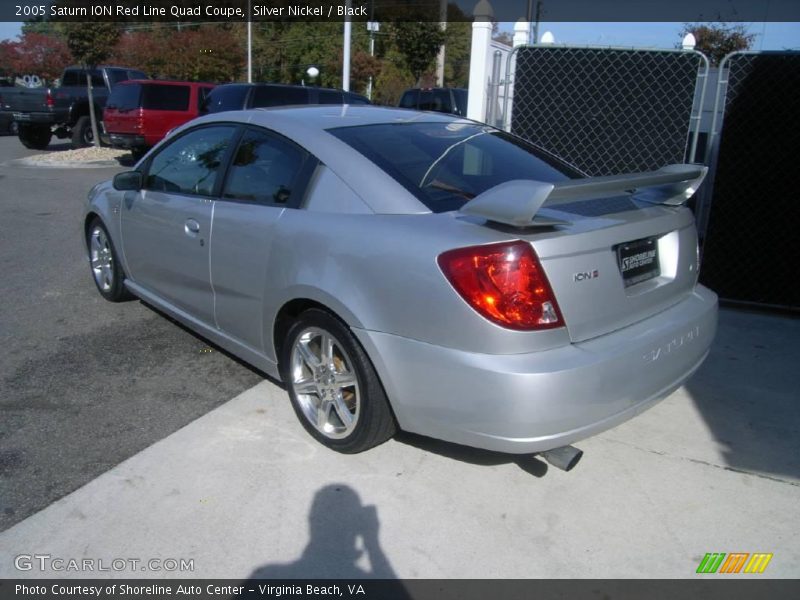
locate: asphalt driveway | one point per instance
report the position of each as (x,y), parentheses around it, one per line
(174,451)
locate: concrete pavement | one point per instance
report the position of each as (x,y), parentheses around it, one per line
(243,490)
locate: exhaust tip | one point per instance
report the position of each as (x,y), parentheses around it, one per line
(564,458)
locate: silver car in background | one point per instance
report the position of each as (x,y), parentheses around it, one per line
(399,269)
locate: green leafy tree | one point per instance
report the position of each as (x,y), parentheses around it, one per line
(418,44)
(716,40)
(91,43)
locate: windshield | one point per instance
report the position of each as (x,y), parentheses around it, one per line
(447,164)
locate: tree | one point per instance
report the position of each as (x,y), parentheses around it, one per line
(39,54)
(91,43)
(716,40)
(418,44)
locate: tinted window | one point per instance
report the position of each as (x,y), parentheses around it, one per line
(276,95)
(124,97)
(330,97)
(73,77)
(190,164)
(165,97)
(116,76)
(226,97)
(460,97)
(409,99)
(264,169)
(355,99)
(436,100)
(202,97)
(447,164)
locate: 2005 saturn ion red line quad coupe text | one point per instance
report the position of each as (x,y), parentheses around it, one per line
(399,269)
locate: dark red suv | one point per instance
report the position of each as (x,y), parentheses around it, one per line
(140,113)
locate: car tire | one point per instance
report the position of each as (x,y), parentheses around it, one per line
(333,386)
(34,137)
(106,270)
(82,135)
(13,128)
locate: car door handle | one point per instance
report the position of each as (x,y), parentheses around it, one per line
(191,227)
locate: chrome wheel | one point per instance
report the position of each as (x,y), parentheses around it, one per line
(102,259)
(325,384)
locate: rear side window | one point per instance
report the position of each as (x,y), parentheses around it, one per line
(330,97)
(191,163)
(435,100)
(116,76)
(226,98)
(165,97)
(264,169)
(124,97)
(409,99)
(74,77)
(202,97)
(446,164)
(355,99)
(268,95)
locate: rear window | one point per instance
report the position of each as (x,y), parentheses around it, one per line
(330,97)
(447,164)
(124,97)
(436,100)
(75,77)
(226,97)
(116,76)
(165,97)
(269,95)
(409,99)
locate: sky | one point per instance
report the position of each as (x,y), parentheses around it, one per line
(769,36)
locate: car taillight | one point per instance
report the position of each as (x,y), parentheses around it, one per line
(139,119)
(50,101)
(505,283)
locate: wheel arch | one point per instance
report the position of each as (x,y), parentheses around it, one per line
(292,308)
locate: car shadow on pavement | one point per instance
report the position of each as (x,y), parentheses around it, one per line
(747,392)
(474,456)
(342,533)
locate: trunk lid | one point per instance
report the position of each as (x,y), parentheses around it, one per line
(615,249)
(583,262)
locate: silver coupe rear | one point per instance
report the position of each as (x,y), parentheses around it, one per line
(409,270)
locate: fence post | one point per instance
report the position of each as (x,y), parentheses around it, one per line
(479,61)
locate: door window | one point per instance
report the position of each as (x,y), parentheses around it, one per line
(278,95)
(190,164)
(166,97)
(264,169)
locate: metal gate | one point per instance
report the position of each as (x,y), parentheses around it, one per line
(751,209)
(609,110)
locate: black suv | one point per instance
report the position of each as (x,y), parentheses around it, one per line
(452,101)
(238,96)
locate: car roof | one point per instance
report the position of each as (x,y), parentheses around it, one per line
(329,116)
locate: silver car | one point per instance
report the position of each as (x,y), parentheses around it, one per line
(414,271)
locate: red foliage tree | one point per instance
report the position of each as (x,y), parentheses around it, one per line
(39,54)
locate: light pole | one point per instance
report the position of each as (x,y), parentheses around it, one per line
(372,27)
(249,43)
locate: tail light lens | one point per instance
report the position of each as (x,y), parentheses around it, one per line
(505,283)
(50,101)
(139,119)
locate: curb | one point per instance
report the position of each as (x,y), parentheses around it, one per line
(63,164)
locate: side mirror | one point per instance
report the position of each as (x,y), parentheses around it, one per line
(129,181)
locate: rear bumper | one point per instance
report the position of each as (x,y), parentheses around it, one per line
(525,403)
(127,140)
(37,118)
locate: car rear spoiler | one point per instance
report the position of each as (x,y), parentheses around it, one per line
(516,202)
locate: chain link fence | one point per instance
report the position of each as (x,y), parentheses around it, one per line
(609,110)
(750,211)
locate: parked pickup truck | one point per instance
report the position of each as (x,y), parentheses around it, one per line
(63,111)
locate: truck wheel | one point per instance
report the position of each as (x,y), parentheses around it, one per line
(35,137)
(82,135)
